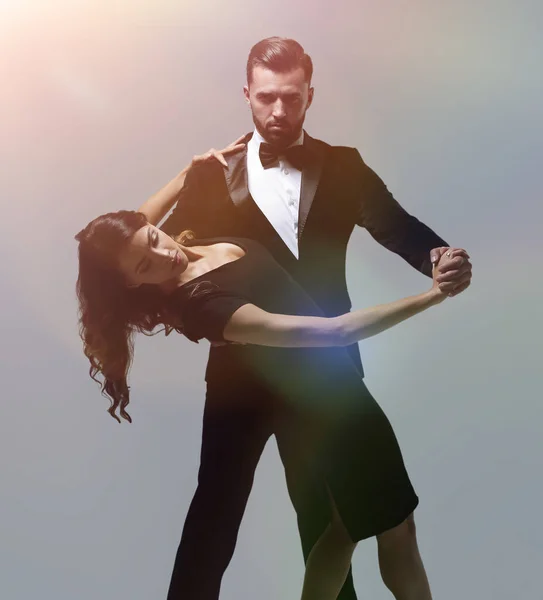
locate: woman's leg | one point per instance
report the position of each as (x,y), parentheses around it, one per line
(329,561)
(401,564)
(312,523)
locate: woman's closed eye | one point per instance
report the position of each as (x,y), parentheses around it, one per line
(153,241)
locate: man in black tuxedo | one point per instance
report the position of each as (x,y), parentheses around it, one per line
(301,198)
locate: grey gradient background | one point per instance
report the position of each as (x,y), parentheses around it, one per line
(102,103)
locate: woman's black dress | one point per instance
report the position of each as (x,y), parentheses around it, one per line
(342,439)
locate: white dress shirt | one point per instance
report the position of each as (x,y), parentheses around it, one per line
(276,191)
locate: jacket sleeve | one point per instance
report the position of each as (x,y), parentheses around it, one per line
(189,211)
(388,223)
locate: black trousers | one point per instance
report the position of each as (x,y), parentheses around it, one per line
(239,418)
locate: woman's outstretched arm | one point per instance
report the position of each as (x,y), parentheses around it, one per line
(157,206)
(252,325)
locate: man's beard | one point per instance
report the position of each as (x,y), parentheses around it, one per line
(283,137)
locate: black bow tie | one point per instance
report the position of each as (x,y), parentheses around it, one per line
(269,155)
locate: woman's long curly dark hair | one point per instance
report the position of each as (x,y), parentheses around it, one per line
(109,311)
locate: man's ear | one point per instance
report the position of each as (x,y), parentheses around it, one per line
(311,91)
(246,94)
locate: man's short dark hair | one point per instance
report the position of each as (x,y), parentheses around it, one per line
(280,55)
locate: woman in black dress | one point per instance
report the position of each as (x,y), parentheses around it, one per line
(133,277)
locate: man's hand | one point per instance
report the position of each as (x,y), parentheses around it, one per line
(219,155)
(454,269)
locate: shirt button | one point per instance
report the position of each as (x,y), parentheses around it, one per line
(286,171)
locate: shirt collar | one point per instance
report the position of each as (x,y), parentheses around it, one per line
(257,139)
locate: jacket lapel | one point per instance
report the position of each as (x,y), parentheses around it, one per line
(310,179)
(238,189)
(236,176)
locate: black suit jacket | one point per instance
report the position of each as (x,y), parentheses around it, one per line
(338,192)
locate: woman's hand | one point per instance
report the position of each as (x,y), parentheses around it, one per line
(455,269)
(219,155)
(435,290)
(450,261)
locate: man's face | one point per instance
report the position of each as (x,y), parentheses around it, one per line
(279,102)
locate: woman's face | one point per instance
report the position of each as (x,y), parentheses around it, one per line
(152,257)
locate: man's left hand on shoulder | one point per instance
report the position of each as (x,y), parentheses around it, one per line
(454,269)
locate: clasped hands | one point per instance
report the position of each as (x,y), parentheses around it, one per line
(452,269)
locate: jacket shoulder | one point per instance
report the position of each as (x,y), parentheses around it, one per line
(334,151)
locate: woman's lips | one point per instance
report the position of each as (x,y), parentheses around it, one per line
(176,260)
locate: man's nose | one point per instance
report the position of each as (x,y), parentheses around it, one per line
(278,109)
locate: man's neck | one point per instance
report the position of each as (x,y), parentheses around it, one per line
(258,138)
